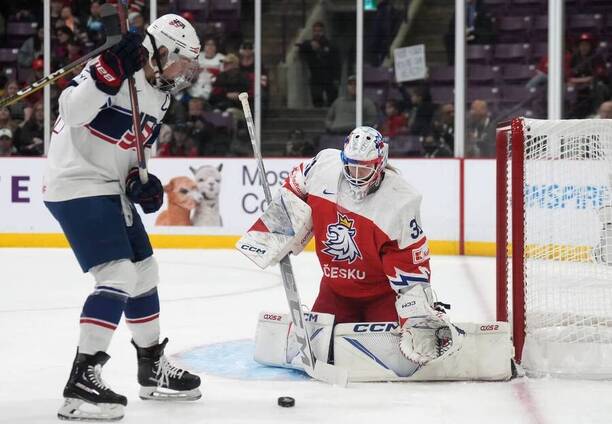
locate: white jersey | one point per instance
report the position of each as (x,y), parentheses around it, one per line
(93,146)
(362,246)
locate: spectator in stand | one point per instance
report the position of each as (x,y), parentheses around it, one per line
(200,130)
(479,28)
(395,122)
(60,47)
(228,85)
(421,109)
(21,110)
(211,64)
(29,138)
(6,143)
(440,143)
(603,112)
(247,64)
(384,27)
(164,140)
(298,146)
(541,76)
(323,60)
(6,121)
(589,78)
(181,144)
(480,140)
(31,49)
(95,28)
(341,115)
(67,19)
(137,23)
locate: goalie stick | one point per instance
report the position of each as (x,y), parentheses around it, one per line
(143,173)
(113,35)
(316,369)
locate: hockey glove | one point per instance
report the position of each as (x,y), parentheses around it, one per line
(149,196)
(118,63)
(426,332)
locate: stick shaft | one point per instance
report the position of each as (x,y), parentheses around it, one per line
(142,160)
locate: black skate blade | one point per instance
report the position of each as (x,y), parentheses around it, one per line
(75,409)
(159,394)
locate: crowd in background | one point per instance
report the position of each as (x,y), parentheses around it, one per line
(206,119)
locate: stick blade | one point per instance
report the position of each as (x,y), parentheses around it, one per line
(110,20)
(330,374)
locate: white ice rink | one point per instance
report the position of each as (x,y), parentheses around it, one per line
(210,303)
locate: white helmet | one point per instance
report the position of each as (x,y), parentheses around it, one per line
(177,35)
(364,157)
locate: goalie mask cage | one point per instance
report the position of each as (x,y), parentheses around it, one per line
(554,244)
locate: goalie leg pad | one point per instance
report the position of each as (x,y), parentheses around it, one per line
(371,352)
(276,345)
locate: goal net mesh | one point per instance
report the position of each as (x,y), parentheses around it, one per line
(567,246)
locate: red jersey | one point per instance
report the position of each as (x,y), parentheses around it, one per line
(365,248)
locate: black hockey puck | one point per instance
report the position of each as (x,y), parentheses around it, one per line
(286,401)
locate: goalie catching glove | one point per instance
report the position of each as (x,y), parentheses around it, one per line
(426,333)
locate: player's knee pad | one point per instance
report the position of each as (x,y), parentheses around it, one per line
(276,344)
(148,276)
(120,275)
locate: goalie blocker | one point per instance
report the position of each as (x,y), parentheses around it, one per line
(370,351)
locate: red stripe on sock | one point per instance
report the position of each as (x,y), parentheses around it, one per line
(98,323)
(141,320)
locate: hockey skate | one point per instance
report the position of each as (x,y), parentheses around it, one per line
(160,380)
(87,397)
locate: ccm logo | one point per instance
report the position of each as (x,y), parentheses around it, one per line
(252,249)
(272,317)
(490,327)
(408,304)
(375,327)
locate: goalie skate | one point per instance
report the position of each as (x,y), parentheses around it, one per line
(160,380)
(87,398)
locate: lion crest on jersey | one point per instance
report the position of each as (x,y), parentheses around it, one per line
(340,243)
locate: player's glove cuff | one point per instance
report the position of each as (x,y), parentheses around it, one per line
(108,73)
(149,196)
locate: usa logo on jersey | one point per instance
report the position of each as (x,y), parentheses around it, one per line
(340,243)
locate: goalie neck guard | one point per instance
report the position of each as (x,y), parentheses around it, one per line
(175,69)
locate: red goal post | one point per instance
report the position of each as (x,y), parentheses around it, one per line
(554,244)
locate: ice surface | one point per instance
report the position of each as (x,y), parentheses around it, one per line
(210,303)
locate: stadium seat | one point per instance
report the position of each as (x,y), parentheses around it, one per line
(442,75)
(479,53)
(8,55)
(377,94)
(514,52)
(442,94)
(406,145)
(331,141)
(528,7)
(585,22)
(488,94)
(514,94)
(483,74)
(376,76)
(518,73)
(539,28)
(513,29)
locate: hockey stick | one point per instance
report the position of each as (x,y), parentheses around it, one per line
(113,35)
(316,369)
(142,160)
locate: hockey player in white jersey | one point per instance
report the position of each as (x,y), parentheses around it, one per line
(91,185)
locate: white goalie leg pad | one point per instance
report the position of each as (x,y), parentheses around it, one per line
(276,345)
(602,253)
(285,227)
(371,352)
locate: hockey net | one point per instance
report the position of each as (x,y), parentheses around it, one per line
(554,244)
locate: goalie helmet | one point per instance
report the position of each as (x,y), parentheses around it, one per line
(364,158)
(175,70)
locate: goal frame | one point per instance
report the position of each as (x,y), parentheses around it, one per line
(511,131)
